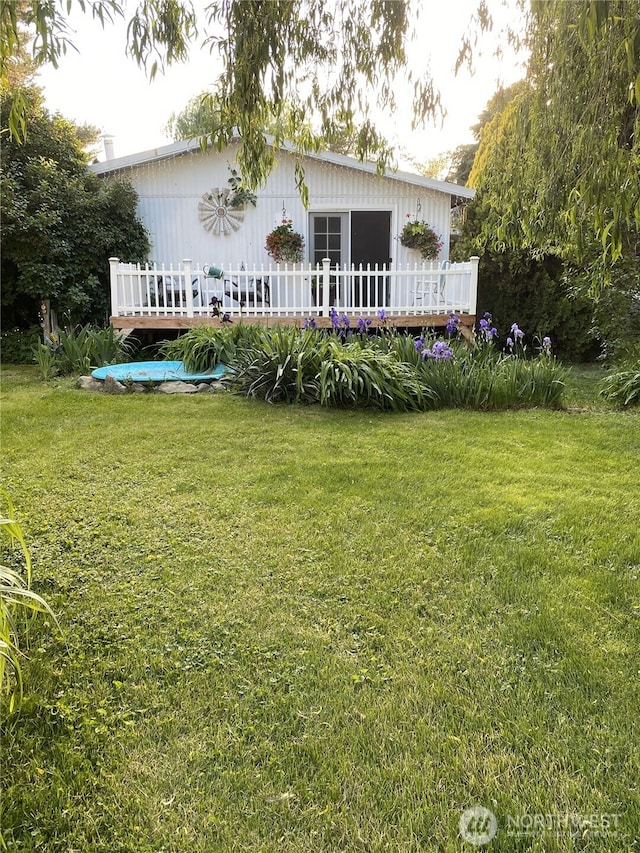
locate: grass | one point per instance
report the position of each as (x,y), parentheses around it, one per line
(294,629)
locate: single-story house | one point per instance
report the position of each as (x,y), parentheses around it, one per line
(353,219)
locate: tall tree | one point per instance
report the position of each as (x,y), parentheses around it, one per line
(282,60)
(463,156)
(203,112)
(60,223)
(196,118)
(560,166)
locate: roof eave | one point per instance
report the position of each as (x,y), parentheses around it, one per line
(193,146)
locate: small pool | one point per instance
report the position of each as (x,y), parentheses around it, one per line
(155,371)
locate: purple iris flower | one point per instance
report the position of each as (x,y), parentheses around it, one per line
(310,323)
(382,314)
(440,351)
(452,324)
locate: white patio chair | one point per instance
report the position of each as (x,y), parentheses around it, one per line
(431,290)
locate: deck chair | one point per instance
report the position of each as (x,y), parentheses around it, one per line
(431,289)
(251,291)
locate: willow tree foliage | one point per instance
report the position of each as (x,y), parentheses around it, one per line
(560,165)
(282,62)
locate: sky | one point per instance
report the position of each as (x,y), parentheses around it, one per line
(99,85)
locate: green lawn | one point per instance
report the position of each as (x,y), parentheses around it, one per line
(292,629)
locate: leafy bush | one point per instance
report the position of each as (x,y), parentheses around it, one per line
(18,345)
(515,283)
(17,604)
(616,314)
(60,223)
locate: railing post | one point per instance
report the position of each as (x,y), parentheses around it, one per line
(188,290)
(113,274)
(326,295)
(473,289)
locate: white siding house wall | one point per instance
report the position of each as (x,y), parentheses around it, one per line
(171,188)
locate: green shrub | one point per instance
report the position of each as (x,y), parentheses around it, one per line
(355,374)
(623,385)
(281,365)
(204,347)
(80,349)
(18,345)
(536,290)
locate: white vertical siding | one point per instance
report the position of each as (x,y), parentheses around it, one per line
(170,191)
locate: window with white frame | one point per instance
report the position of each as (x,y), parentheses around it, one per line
(328,233)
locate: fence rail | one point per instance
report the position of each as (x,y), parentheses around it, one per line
(292,291)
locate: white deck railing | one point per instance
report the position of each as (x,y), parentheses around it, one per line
(293,291)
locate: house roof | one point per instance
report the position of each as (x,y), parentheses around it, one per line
(192,146)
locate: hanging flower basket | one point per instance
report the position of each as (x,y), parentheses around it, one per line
(285,244)
(418,235)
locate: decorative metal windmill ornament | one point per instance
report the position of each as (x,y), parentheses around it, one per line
(216,214)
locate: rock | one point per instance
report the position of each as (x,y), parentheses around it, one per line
(177,388)
(203,387)
(112,386)
(88,383)
(139,387)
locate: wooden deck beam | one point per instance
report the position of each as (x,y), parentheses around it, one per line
(412,321)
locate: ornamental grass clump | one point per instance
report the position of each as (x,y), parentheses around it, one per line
(354,374)
(288,365)
(480,376)
(478,380)
(80,349)
(622,387)
(280,366)
(201,349)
